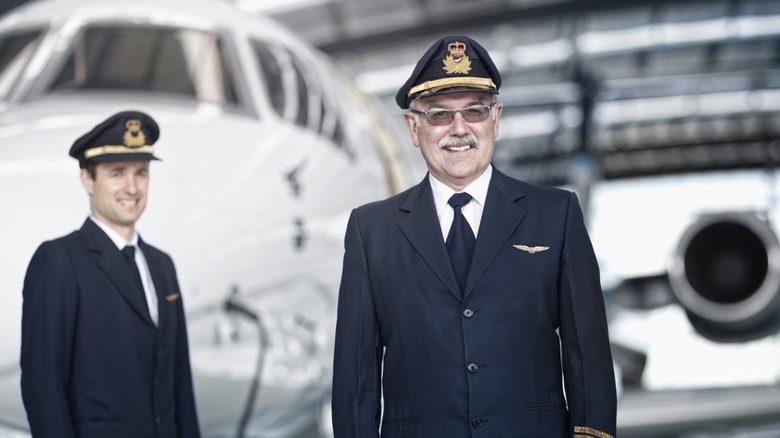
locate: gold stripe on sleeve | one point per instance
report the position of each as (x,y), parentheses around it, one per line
(590,432)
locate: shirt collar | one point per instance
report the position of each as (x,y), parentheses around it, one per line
(118,240)
(477,189)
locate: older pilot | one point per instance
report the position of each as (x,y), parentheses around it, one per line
(470,305)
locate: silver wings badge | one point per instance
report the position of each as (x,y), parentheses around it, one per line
(531,249)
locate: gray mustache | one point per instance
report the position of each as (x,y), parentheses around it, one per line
(466,140)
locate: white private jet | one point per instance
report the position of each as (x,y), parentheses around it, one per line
(266,148)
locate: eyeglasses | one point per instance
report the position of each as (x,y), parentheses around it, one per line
(443,117)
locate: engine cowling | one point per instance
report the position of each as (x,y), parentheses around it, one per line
(725,272)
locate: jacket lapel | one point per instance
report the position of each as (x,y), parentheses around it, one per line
(499,220)
(113,264)
(421,227)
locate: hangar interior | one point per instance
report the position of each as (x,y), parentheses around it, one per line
(596,91)
(600,91)
(592,89)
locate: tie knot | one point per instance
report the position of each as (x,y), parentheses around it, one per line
(129,252)
(458,200)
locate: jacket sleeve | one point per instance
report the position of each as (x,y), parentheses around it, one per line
(587,360)
(358,352)
(50,300)
(186,411)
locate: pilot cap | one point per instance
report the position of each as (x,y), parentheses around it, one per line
(125,136)
(453,64)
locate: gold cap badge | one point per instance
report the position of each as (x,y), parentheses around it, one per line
(457,61)
(134,137)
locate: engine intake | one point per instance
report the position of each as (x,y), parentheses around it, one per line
(725,272)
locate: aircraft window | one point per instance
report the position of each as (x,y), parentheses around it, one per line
(312,107)
(330,125)
(15,51)
(321,122)
(293,89)
(285,82)
(181,62)
(338,136)
(209,66)
(302,117)
(332,121)
(272,71)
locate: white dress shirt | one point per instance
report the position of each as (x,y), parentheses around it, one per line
(471,211)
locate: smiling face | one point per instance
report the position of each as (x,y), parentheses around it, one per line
(117,193)
(457,153)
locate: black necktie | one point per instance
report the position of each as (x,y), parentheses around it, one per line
(460,240)
(129,252)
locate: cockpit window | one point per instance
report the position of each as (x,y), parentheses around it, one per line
(302,118)
(296,93)
(290,84)
(286,85)
(182,62)
(15,51)
(272,73)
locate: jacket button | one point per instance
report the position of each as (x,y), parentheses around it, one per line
(476,422)
(472,368)
(468,313)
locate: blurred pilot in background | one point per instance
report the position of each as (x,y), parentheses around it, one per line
(104,342)
(465,299)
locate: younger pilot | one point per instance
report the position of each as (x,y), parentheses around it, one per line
(104,340)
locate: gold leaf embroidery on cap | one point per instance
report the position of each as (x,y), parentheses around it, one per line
(457,61)
(134,136)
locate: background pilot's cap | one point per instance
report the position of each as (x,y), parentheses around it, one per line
(454,63)
(126,136)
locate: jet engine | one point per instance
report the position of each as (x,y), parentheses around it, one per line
(725,272)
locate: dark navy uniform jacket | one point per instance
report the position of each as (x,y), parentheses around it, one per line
(490,364)
(93,362)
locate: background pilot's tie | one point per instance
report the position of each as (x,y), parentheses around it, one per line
(129,252)
(460,240)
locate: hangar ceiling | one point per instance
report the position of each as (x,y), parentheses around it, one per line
(607,89)
(591,88)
